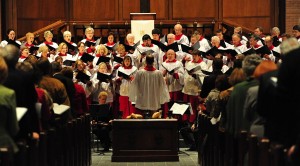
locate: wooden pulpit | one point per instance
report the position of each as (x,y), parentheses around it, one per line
(142,140)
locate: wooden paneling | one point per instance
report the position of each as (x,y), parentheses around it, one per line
(32,9)
(193,9)
(233,8)
(160,7)
(252,22)
(129,6)
(93,10)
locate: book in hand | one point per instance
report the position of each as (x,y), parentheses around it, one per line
(230,50)
(87,57)
(276,54)
(90,43)
(20,111)
(118,59)
(213,51)
(180,108)
(60,109)
(161,45)
(170,68)
(129,48)
(51,48)
(12,42)
(103,77)
(249,52)
(192,68)
(148,52)
(104,59)
(33,50)
(72,49)
(82,77)
(189,49)
(124,75)
(113,48)
(173,46)
(263,50)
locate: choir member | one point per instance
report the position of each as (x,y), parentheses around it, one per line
(71,46)
(49,43)
(102,51)
(275,50)
(11,35)
(43,51)
(238,46)
(220,35)
(243,39)
(102,81)
(89,33)
(296,32)
(179,36)
(62,51)
(130,39)
(123,84)
(174,75)
(82,77)
(148,89)
(275,34)
(139,55)
(193,77)
(29,40)
(24,54)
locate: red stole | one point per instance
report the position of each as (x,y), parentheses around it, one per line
(177,37)
(149,68)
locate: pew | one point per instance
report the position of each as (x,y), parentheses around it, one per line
(219,148)
(5,156)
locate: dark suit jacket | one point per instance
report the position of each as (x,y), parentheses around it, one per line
(209,83)
(23,85)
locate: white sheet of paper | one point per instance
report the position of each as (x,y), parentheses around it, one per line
(20,112)
(59,109)
(180,108)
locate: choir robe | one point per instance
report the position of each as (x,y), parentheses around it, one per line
(140,61)
(204,44)
(148,89)
(51,57)
(192,87)
(22,59)
(101,86)
(89,50)
(174,81)
(4,43)
(65,57)
(125,105)
(240,48)
(88,89)
(182,39)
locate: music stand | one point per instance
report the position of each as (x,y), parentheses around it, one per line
(179,108)
(97,112)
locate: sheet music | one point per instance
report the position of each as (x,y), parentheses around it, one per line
(20,111)
(181,108)
(59,109)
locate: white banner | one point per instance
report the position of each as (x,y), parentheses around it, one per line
(141,27)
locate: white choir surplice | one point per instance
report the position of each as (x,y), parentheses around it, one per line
(148,90)
(192,86)
(172,83)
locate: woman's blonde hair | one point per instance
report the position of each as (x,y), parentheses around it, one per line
(100,47)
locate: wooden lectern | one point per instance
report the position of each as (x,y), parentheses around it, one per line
(141,24)
(142,16)
(140,140)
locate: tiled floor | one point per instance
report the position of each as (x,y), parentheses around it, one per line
(184,160)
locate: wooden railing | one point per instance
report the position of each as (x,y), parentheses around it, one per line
(50,27)
(234,24)
(218,147)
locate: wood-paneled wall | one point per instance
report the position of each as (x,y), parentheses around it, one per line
(35,14)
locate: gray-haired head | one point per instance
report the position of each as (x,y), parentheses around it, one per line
(250,63)
(289,45)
